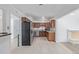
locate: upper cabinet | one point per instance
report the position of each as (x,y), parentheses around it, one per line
(1,22)
(52,23)
(38,25)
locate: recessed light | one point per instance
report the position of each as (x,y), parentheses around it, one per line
(72,14)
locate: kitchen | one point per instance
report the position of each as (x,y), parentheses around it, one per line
(44,28)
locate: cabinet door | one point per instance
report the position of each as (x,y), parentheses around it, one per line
(51,36)
(40,34)
(53,23)
(44,34)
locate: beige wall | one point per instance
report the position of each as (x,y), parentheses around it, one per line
(75,35)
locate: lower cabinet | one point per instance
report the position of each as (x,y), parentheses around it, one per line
(42,33)
(51,36)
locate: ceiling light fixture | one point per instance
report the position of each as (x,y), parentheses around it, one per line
(72,14)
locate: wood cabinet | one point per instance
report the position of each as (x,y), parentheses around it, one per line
(52,23)
(49,33)
(42,33)
(51,36)
(37,25)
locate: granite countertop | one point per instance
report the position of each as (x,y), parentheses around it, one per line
(4,34)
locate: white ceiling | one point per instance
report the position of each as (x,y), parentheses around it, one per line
(48,10)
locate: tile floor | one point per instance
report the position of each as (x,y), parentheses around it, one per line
(41,45)
(72,47)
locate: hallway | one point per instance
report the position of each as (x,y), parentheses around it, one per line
(41,45)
